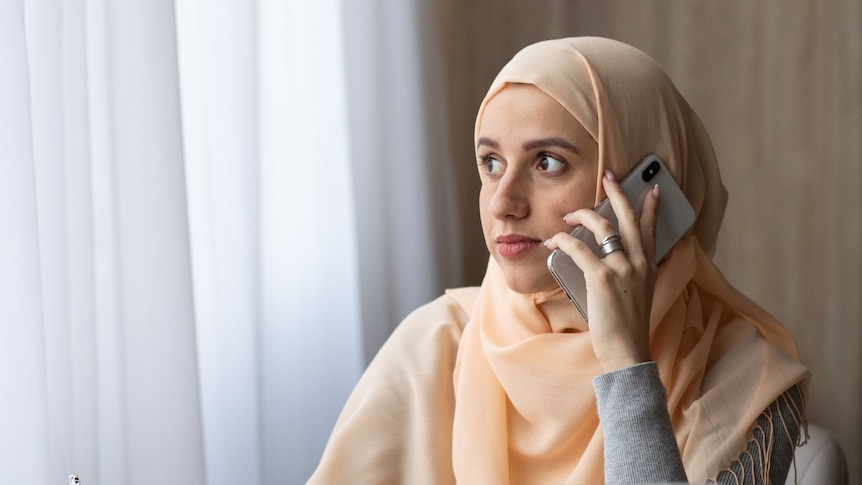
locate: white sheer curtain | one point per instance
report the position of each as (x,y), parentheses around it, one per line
(315,162)
(273,231)
(211,216)
(98,360)
(220,131)
(406,210)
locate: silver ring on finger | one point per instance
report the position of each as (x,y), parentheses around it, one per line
(610,244)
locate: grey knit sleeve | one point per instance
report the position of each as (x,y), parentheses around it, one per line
(640,446)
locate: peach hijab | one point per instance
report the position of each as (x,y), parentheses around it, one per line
(525,409)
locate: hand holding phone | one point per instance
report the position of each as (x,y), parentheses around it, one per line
(675,218)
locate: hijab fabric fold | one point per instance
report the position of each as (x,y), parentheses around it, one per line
(525,409)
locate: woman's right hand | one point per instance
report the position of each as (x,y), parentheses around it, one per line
(620,285)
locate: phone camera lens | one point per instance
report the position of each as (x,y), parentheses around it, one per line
(651,171)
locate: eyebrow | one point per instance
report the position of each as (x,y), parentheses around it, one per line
(483,141)
(549,142)
(532,144)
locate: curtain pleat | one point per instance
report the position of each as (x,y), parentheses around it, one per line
(218,74)
(149,247)
(408,223)
(309,297)
(44,53)
(23,373)
(82,444)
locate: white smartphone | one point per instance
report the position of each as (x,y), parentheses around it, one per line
(675,218)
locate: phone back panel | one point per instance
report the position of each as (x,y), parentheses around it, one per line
(675,218)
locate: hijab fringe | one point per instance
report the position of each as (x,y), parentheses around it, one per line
(800,418)
(764,447)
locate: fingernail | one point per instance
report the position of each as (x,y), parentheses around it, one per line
(547,243)
(656,191)
(566,217)
(610,175)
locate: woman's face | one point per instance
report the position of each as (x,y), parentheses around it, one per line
(537,163)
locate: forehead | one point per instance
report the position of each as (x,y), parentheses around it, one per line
(523,111)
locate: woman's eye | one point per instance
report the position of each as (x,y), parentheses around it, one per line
(550,164)
(492,165)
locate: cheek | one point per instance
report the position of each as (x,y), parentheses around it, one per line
(582,194)
(572,199)
(484,211)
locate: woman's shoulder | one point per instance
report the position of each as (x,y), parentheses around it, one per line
(424,344)
(448,312)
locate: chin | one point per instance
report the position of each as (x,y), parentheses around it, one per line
(528,283)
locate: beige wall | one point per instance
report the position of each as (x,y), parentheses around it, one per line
(779,86)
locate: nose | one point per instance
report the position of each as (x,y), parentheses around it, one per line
(511,197)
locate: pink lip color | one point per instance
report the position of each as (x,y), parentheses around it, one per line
(512,245)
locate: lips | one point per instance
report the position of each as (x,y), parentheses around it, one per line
(514,245)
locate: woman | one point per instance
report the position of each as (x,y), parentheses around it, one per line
(677,377)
